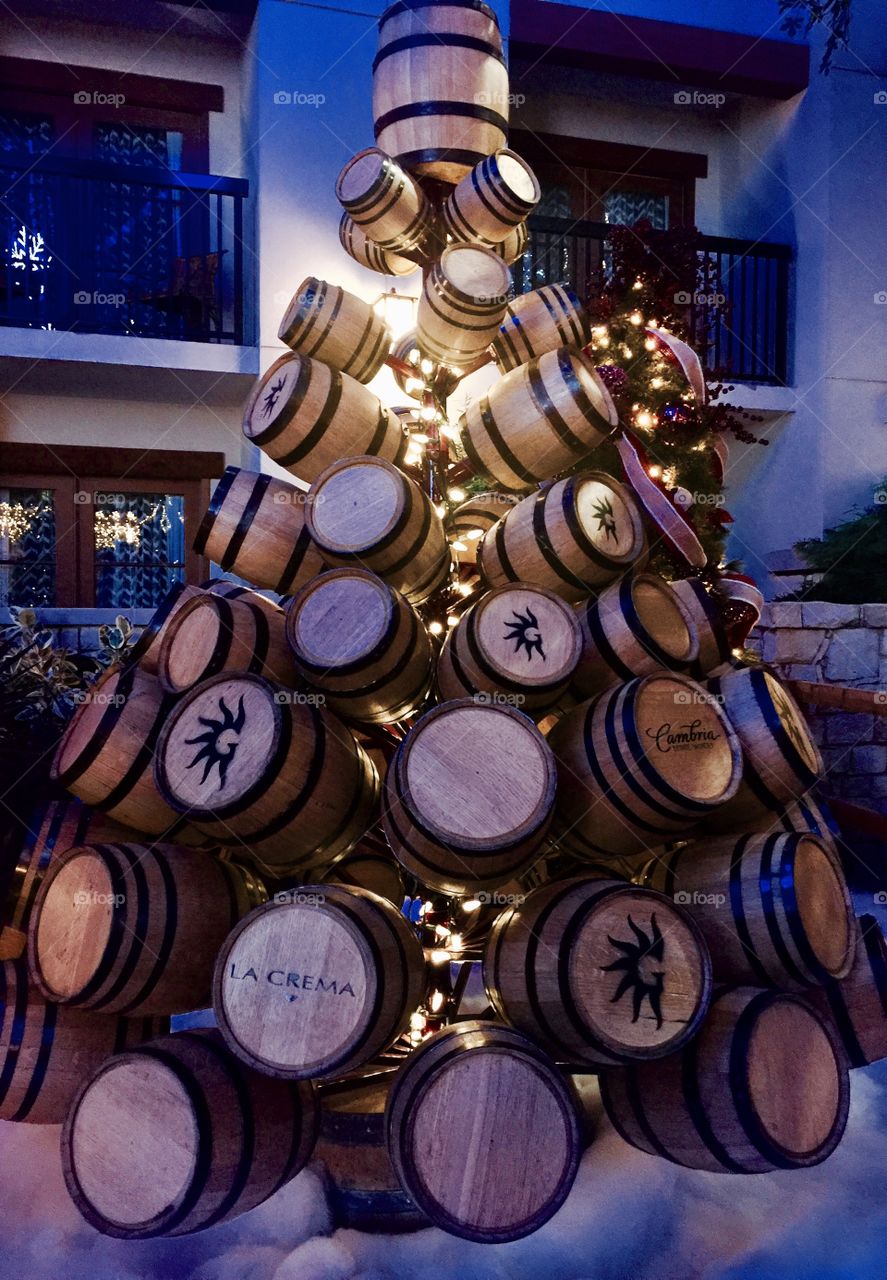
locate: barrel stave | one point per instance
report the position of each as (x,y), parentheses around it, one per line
(326,322)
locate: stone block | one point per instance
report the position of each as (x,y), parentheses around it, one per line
(798,646)
(802,670)
(874,615)
(837,760)
(853,657)
(841,727)
(782,613)
(821,613)
(871,760)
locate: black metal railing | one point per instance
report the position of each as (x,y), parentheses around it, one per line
(92,247)
(738,315)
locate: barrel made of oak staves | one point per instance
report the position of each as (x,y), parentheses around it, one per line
(774,907)
(440,86)
(369,867)
(490,201)
(178,1135)
(518,644)
(573,537)
(361,1186)
(857,1004)
(134,929)
(360,643)
(507,1132)
(266,770)
(514,245)
(463,301)
(469,795)
(640,763)
(366,512)
(48,1049)
(106,753)
(538,420)
(714,647)
(385,202)
(764,1085)
(473,517)
(146,650)
(601,971)
(318,985)
(255,527)
(633,628)
(358,246)
(539,321)
(213,634)
(305,415)
(325,321)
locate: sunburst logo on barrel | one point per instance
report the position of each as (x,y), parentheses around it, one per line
(602,510)
(219,742)
(643,982)
(525,633)
(272,395)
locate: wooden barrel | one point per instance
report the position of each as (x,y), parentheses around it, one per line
(146,649)
(326,322)
(641,763)
(133,928)
(507,1135)
(473,517)
(105,755)
(319,985)
(364,511)
(573,537)
(358,246)
(635,627)
(714,647)
(468,796)
(212,634)
(774,908)
(255,527)
(371,868)
(600,971)
(385,202)
(858,1003)
(514,246)
(464,296)
(538,420)
(781,760)
(490,201)
(266,770)
(361,1186)
(540,321)
(440,86)
(518,645)
(361,644)
(47,1049)
(305,415)
(177,1135)
(763,1086)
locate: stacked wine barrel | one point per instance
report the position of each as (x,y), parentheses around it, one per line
(311,791)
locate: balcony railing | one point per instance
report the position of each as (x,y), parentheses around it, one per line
(738,315)
(92,247)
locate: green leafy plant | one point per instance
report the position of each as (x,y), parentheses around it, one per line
(805,14)
(40,684)
(851,556)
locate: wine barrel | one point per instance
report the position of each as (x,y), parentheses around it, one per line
(371,868)
(763,1086)
(463,300)
(266,770)
(365,511)
(358,246)
(47,1050)
(361,644)
(385,203)
(635,627)
(133,928)
(320,985)
(440,86)
(507,1134)
(515,244)
(781,760)
(600,971)
(255,527)
(305,415)
(519,645)
(858,1003)
(468,796)
(326,322)
(473,517)
(490,201)
(212,634)
(640,764)
(361,1186)
(146,649)
(177,1135)
(540,321)
(774,908)
(539,419)
(714,647)
(573,537)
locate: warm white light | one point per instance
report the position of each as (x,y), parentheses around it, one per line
(428,413)
(655,472)
(426,365)
(656,382)
(473,534)
(452,620)
(439,957)
(645,419)
(459,545)
(437,1001)
(638,284)
(435,628)
(458,495)
(419,437)
(636,318)
(650,344)
(471,904)
(414,386)
(398,311)
(464,588)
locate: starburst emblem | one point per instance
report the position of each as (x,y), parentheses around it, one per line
(272,395)
(789,720)
(214,752)
(602,510)
(633,979)
(525,633)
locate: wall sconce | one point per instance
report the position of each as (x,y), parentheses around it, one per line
(398,310)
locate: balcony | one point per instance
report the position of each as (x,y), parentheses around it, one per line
(744,338)
(97,248)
